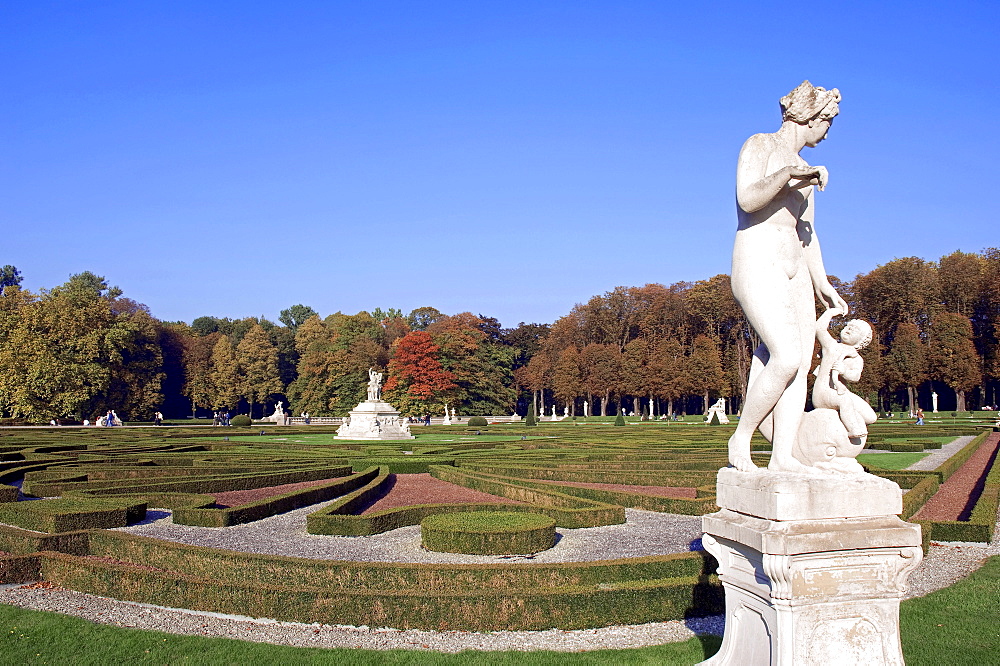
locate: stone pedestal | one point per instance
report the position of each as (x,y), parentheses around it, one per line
(374,419)
(813,568)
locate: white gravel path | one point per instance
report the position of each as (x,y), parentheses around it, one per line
(937,458)
(643,533)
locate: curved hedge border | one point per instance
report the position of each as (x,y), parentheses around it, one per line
(252,511)
(488,533)
(424,596)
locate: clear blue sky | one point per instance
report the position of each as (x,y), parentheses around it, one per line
(506,158)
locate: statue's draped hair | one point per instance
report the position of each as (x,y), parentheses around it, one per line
(809,102)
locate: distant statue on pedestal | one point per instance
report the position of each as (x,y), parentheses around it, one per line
(374,385)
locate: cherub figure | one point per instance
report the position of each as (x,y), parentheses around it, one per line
(842,361)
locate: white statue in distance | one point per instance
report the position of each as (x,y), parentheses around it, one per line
(374,385)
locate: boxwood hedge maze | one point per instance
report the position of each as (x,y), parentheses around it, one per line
(66,492)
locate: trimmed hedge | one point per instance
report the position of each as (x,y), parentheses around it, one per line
(20,569)
(20,542)
(192,483)
(402,464)
(918,495)
(329,520)
(65,515)
(247,513)
(569,511)
(568,607)
(8,493)
(253,568)
(488,533)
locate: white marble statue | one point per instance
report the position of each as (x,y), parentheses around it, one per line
(586,408)
(373,418)
(374,385)
(719,409)
(934,401)
(840,361)
(447,416)
(778,271)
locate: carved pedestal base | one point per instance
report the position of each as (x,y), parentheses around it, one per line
(803,585)
(374,419)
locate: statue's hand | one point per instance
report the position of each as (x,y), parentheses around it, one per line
(833,300)
(815,175)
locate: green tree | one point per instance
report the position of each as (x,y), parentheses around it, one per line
(295,316)
(9,277)
(78,349)
(257,367)
(311,391)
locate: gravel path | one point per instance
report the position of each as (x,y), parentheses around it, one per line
(643,533)
(937,458)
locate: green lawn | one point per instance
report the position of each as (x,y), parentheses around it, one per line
(954,626)
(33,637)
(890,460)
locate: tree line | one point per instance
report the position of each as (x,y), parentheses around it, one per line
(81,348)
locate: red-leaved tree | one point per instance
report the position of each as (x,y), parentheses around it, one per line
(416,379)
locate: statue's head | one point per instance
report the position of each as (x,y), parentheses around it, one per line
(809,104)
(856,333)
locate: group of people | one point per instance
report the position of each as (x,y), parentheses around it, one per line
(220,419)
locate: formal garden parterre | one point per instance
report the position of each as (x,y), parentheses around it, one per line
(577,475)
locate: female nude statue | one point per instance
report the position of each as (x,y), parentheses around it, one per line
(778,271)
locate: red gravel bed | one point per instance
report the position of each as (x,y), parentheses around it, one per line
(656,491)
(410,489)
(957,496)
(241,497)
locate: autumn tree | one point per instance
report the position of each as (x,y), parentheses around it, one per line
(480,363)
(223,377)
(416,381)
(952,357)
(601,373)
(704,369)
(196,359)
(257,367)
(904,290)
(906,363)
(566,384)
(960,275)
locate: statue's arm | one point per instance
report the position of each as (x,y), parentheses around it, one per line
(826,341)
(825,292)
(755,189)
